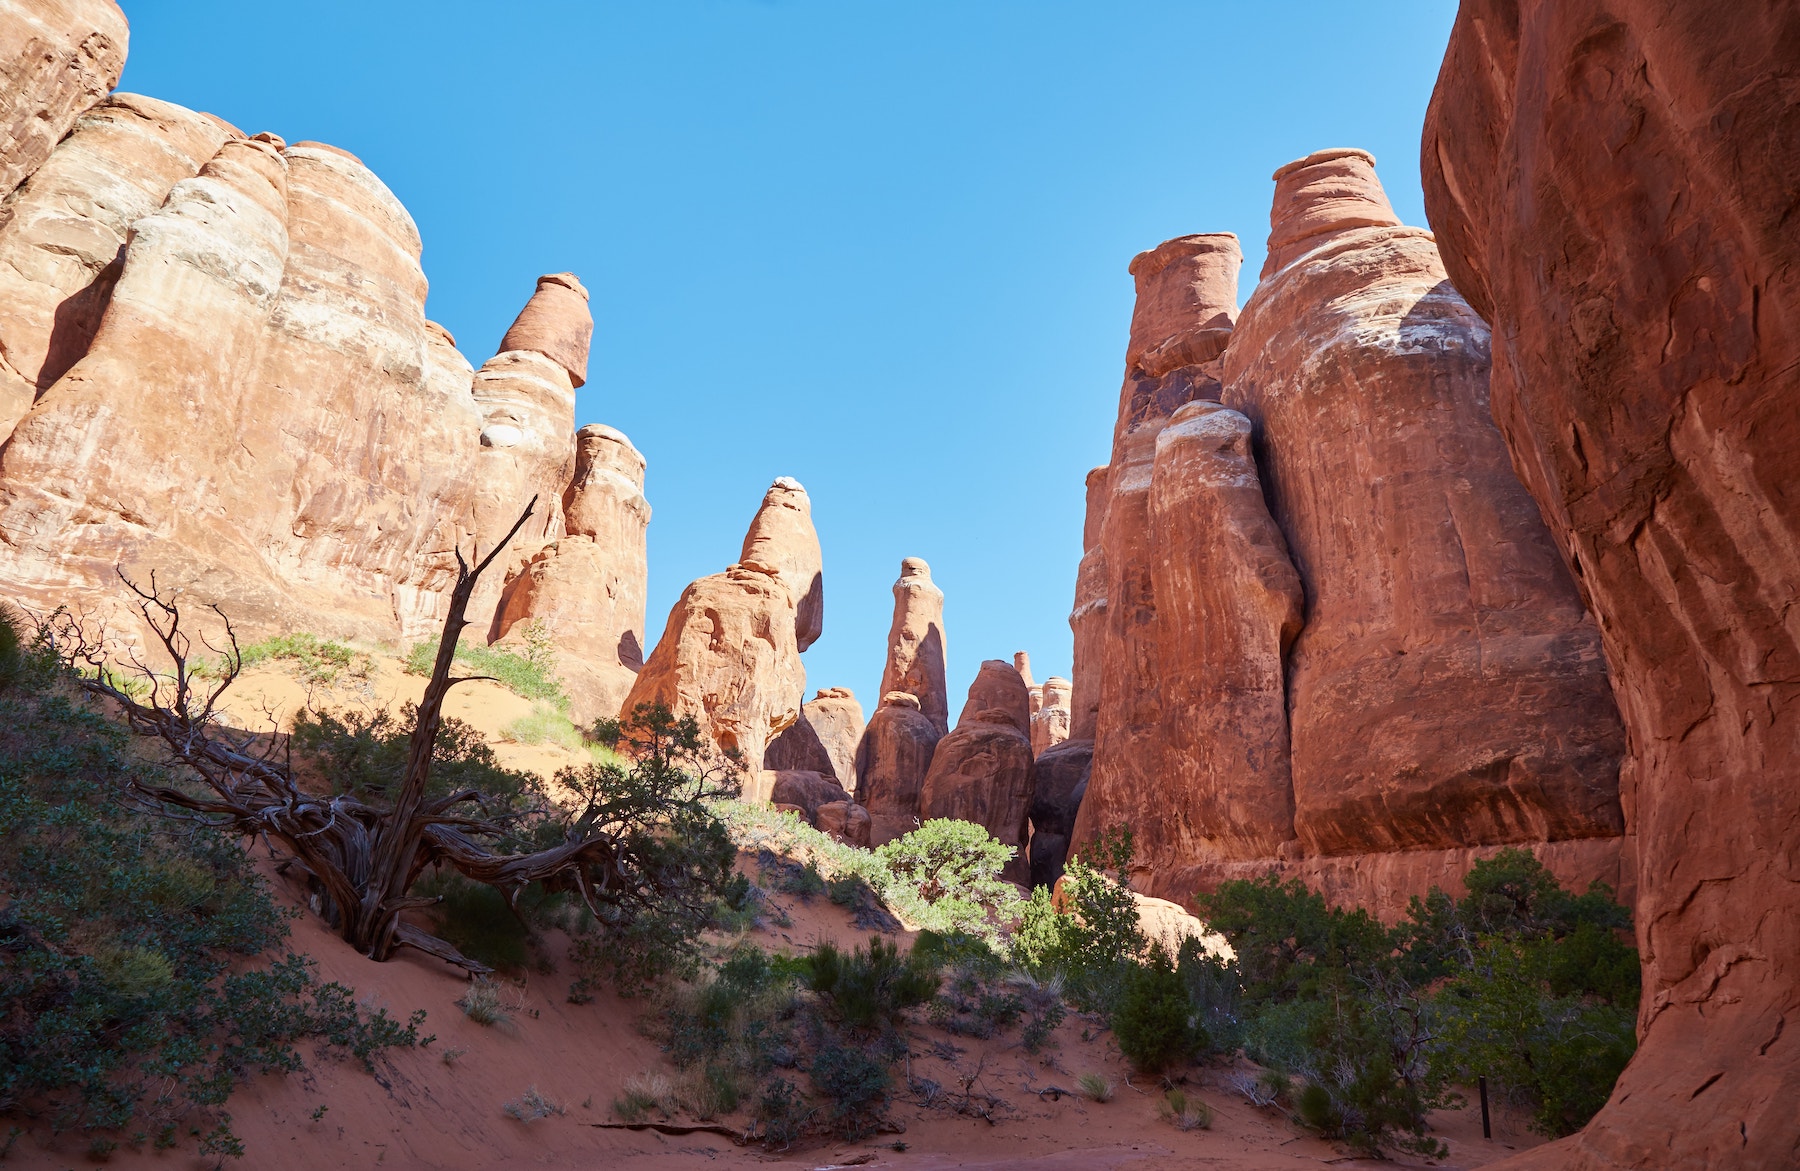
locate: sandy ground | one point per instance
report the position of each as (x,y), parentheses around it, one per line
(440,1107)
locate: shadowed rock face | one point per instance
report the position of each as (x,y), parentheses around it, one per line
(57,58)
(1448,688)
(588,588)
(730,654)
(824,738)
(891,763)
(1612,183)
(915,657)
(1058,786)
(1088,618)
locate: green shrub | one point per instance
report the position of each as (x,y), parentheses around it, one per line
(143,974)
(1154,1021)
(870,988)
(1094,943)
(518,674)
(314,659)
(945,876)
(1183,1111)
(854,1083)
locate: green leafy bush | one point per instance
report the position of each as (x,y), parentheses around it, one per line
(854,1083)
(945,876)
(547,723)
(1154,1021)
(314,659)
(869,988)
(143,975)
(1095,940)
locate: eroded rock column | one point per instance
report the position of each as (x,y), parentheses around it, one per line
(915,657)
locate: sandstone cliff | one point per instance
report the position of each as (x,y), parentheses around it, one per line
(1612,183)
(215,364)
(1337,639)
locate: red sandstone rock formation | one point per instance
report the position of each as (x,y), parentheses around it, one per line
(1186,302)
(998,684)
(915,657)
(1447,690)
(846,821)
(57,58)
(62,233)
(1612,183)
(1060,777)
(1088,617)
(982,771)
(1227,606)
(1050,714)
(588,588)
(891,762)
(730,654)
(824,738)
(805,789)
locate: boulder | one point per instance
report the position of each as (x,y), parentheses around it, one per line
(892,761)
(58,58)
(829,730)
(730,655)
(982,773)
(1612,185)
(1448,688)
(808,790)
(1059,784)
(846,821)
(1050,714)
(587,589)
(915,656)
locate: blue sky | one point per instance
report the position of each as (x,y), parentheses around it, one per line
(877,246)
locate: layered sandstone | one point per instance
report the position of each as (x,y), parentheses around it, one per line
(1447,690)
(891,763)
(915,654)
(586,591)
(1612,184)
(730,653)
(63,232)
(57,59)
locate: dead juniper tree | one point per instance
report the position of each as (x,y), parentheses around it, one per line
(636,842)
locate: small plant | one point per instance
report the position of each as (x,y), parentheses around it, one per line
(1154,1022)
(855,1083)
(548,723)
(643,1095)
(451,1056)
(318,1113)
(531,1106)
(540,647)
(1184,1111)
(781,1115)
(482,1003)
(314,659)
(1260,1088)
(1095,1087)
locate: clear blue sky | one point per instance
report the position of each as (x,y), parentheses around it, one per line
(877,246)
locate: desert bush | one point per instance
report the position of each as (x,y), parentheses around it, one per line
(313,659)
(644,1094)
(546,724)
(484,1004)
(1154,1021)
(945,876)
(1184,1111)
(1094,941)
(854,1083)
(1096,1087)
(143,972)
(533,1105)
(870,988)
